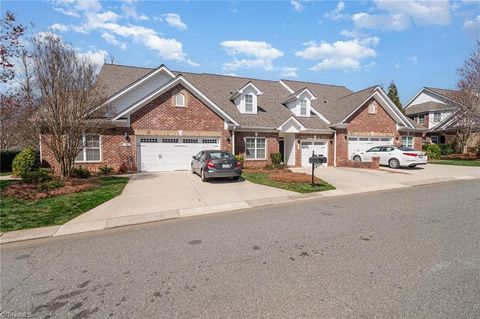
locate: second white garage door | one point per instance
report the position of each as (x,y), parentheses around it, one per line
(361,144)
(158,153)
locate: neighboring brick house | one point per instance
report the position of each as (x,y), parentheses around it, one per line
(162,118)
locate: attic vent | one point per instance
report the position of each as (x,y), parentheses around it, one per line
(324,101)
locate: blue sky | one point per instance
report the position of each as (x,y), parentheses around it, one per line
(351,43)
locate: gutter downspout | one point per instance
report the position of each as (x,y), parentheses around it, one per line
(233,141)
(335,149)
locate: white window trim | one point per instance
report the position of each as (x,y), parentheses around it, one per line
(84,150)
(255,137)
(423,119)
(306,107)
(408,137)
(176,100)
(245,104)
(439,117)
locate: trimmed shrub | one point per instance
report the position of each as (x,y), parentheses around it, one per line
(37,176)
(269,167)
(105,170)
(80,172)
(25,161)
(50,185)
(433,151)
(446,149)
(276,159)
(6,159)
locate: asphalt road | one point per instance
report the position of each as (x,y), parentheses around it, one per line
(401,254)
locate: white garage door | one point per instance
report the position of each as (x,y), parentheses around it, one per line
(320,148)
(361,144)
(159,153)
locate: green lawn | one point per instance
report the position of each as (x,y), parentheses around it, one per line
(20,214)
(458,162)
(5,173)
(262,178)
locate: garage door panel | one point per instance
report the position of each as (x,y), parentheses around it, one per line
(320,148)
(362,144)
(171,153)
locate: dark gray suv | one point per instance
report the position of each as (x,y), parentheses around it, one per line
(216,163)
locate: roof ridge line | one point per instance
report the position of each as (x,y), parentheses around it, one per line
(373,86)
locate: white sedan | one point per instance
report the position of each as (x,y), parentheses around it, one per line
(393,156)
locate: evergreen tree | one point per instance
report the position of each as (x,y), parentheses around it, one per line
(393,95)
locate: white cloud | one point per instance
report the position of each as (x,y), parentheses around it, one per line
(259,54)
(258,49)
(412,59)
(95,19)
(289,72)
(336,14)
(397,66)
(97,57)
(174,20)
(473,26)
(297,5)
(130,11)
(400,15)
(342,55)
(110,38)
(59,27)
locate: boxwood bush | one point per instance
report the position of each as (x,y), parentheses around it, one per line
(26,161)
(433,151)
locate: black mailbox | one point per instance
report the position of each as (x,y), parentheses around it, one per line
(317,159)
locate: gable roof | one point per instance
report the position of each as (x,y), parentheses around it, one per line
(427,107)
(296,95)
(332,102)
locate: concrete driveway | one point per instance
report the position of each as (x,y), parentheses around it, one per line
(353,178)
(157,192)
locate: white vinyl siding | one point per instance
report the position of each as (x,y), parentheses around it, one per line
(407,141)
(255,148)
(91,151)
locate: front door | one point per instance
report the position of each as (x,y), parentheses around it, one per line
(281,147)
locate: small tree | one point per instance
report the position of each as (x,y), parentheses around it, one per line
(393,95)
(467,98)
(68,99)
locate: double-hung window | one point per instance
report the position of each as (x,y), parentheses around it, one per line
(436,117)
(248,103)
(90,151)
(303,107)
(421,119)
(255,148)
(407,141)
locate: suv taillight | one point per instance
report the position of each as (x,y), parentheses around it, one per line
(210,164)
(411,154)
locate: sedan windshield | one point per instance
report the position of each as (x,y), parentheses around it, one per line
(220,155)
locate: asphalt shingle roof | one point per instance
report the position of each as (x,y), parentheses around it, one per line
(427,107)
(334,102)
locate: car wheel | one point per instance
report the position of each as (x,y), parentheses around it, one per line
(394,163)
(357,158)
(412,166)
(202,176)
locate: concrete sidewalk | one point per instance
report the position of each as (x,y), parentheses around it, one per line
(87,225)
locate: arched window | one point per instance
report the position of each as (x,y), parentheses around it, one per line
(179,99)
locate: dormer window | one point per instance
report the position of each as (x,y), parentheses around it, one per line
(249,103)
(180,100)
(303,107)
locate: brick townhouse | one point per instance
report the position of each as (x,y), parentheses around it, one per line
(161,118)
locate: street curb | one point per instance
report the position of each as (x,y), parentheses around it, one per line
(122,221)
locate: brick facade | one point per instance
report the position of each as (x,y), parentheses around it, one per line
(271,140)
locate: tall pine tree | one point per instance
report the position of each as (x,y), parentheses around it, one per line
(393,95)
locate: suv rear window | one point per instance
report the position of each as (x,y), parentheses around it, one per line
(408,149)
(220,155)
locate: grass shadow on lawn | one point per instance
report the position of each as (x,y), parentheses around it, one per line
(295,182)
(18,214)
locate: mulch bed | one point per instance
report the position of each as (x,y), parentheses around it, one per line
(285,176)
(465,156)
(32,192)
